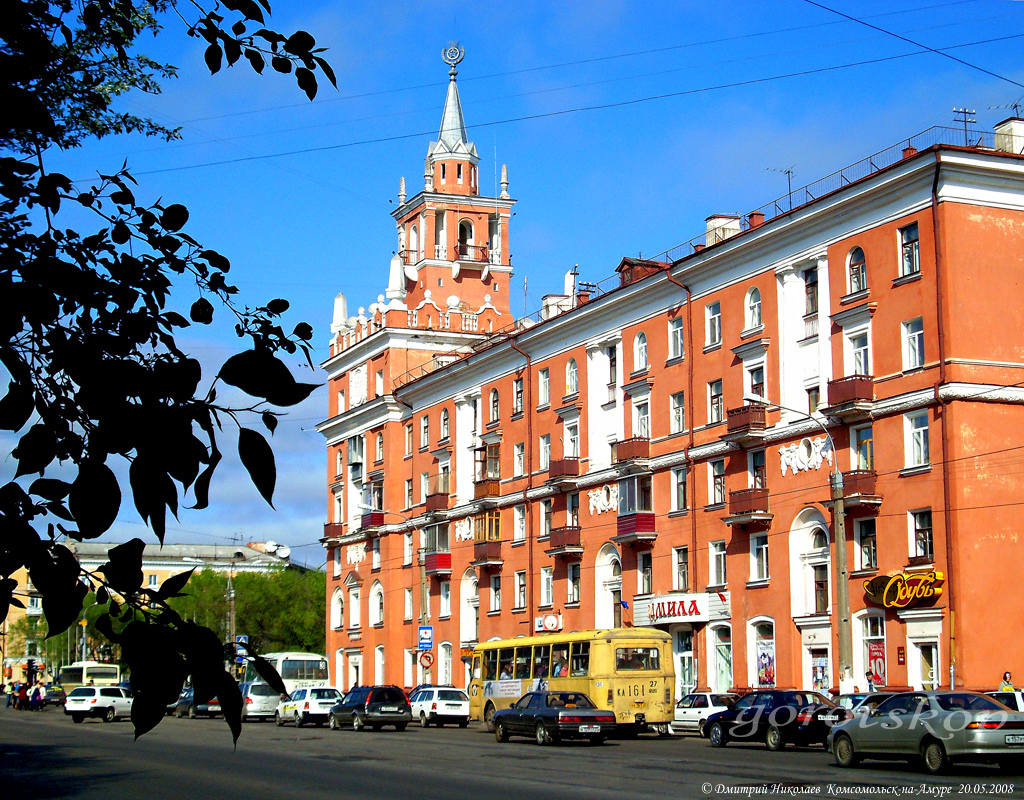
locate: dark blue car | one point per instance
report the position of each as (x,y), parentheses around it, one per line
(776,717)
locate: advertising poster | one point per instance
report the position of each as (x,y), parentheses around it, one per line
(513,688)
(765,662)
(876,663)
(819,671)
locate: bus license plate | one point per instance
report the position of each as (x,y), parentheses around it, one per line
(1014,738)
(639,704)
(590,728)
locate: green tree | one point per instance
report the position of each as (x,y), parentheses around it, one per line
(88,341)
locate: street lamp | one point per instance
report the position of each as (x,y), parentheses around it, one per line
(841,565)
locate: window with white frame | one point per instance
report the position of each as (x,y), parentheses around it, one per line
(337,562)
(759,557)
(341,401)
(813,399)
(547,507)
(810,291)
(572,440)
(644,572)
(407,547)
(337,609)
(408,605)
(517,396)
(916,433)
(640,352)
(913,344)
(860,352)
(518,459)
(377,604)
(495,406)
(757,469)
(424,485)
(572,509)
(613,369)
(409,499)
(716,403)
(717,554)
(353,607)
(445,599)
(635,494)
(151,583)
(375,553)
(520,587)
(379,383)
(424,431)
(543,387)
(681,569)
(863,440)
(642,419)
(819,575)
(755,380)
(408,440)
(716,480)
(858,271)
(753,308)
(675,338)
(679,502)
(545,451)
(572,576)
(677,412)
(572,382)
(445,424)
(873,634)
(713,319)
(910,247)
(339,510)
(866,544)
(519,524)
(495,593)
(547,586)
(379,454)
(921,533)
(339,462)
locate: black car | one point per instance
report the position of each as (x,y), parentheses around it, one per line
(186,705)
(371,707)
(55,695)
(775,717)
(551,716)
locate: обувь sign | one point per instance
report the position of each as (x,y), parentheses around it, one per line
(904,590)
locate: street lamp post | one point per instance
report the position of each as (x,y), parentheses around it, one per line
(841,564)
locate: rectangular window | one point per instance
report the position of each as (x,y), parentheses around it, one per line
(445,590)
(519,524)
(337,562)
(755,379)
(713,315)
(681,574)
(910,264)
(613,367)
(547,586)
(716,471)
(424,485)
(675,338)
(520,589)
(407,547)
(813,399)
(545,451)
(518,459)
(810,291)
(677,410)
(353,607)
(424,431)
(821,589)
(436,540)
(543,387)
(643,420)
(644,573)
(546,514)
(635,494)
(864,447)
(867,550)
(488,462)
(458,173)
(572,509)
(917,452)
(758,469)
(517,396)
(913,344)
(759,557)
(860,353)
(408,440)
(572,574)
(341,401)
(408,493)
(379,383)
(152,583)
(718,574)
(487,526)
(716,404)
(679,489)
(495,593)
(375,554)
(572,440)
(922,531)
(444,173)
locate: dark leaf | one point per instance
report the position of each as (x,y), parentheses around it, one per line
(307,81)
(35,450)
(258,460)
(255,60)
(299,43)
(62,607)
(281,64)
(238,28)
(216,260)
(261,374)
(213,56)
(95,499)
(153,491)
(251,9)
(124,569)
(270,421)
(103,623)
(148,710)
(7,587)
(50,488)
(175,320)
(232,50)
(102,597)
(174,584)
(303,331)
(278,306)
(230,702)
(15,407)
(269,673)
(202,486)
(202,311)
(174,217)
(121,233)
(328,71)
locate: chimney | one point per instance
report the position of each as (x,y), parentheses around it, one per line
(1010,135)
(909,151)
(582,297)
(755,219)
(721,227)
(698,247)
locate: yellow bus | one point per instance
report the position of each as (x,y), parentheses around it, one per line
(627,671)
(85,673)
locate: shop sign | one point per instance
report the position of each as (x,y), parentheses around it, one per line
(547,623)
(904,590)
(901,656)
(876,662)
(678,608)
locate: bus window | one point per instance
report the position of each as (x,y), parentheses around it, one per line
(579,666)
(490,665)
(70,675)
(476,668)
(505,663)
(560,660)
(637,658)
(541,660)
(522,663)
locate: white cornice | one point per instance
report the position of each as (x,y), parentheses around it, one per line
(437,200)
(362,418)
(396,338)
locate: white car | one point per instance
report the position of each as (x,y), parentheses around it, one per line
(693,710)
(307,705)
(436,705)
(1013,699)
(106,702)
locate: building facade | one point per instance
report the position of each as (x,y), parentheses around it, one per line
(662,453)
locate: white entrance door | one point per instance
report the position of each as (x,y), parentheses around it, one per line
(355,669)
(682,652)
(929,655)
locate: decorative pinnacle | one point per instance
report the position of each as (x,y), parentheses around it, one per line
(452,55)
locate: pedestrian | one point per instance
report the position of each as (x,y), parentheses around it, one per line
(870,679)
(8,689)
(22,697)
(37,697)
(1007,684)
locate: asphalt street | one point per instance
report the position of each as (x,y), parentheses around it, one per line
(45,755)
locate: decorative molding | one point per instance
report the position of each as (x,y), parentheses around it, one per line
(464,530)
(806,454)
(355,553)
(604,499)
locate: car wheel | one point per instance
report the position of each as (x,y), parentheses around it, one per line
(541,734)
(192,712)
(499,731)
(278,719)
(700,730)
(332,722)
(401,726)
(357,723)
(299,722)
(842,747)
(716,735)
(464,723)
(489,717)
(424,722)
(773,739)
(108,715)
(77,717)
(663,729)
(933,757)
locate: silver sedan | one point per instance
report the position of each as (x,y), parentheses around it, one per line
(935,729)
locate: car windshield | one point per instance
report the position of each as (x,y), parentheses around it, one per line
(324,694)
(568,700)
(83,691)
(968,702)
(452,695)
(851,700)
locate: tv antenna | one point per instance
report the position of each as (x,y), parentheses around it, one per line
(788,172)
(1016,105)
(966,116)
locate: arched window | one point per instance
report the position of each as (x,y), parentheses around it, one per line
(640,351)
(858,271)
(763,654)
(495,406)
(754,308)
(572,381)
(608,588)
(414,241)
(445,667)
(444,423)
(377,604)
(465,238)
(337,608)
(819,539)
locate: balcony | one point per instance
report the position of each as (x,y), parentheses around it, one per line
(438,562)
(486,487)
(563,469)
(438,490)
(474,253)
(333,530)
(636,449)
(565,542)
(635,528)
(487,554)
(746,425)
(850,398)
(859,489)
(371,519)
(748,506)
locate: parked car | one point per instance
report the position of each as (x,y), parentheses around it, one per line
(55,695)
(435,705)
(775,717)
(261,700)
(106,702)
(549,717)
(934,729)
(307,705)
(186,705)
(693,710)
(1013,700)
(371,707)
(854,705)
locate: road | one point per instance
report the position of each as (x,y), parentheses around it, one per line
(45,755)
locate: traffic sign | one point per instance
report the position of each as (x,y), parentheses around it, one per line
(240,652)
(426,660)
(426,637)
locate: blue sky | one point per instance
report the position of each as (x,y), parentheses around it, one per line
(592,185)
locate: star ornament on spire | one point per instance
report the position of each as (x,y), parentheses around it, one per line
(452,55)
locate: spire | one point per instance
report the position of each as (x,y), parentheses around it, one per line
(452,139)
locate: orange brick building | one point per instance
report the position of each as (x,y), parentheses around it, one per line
(660,452)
